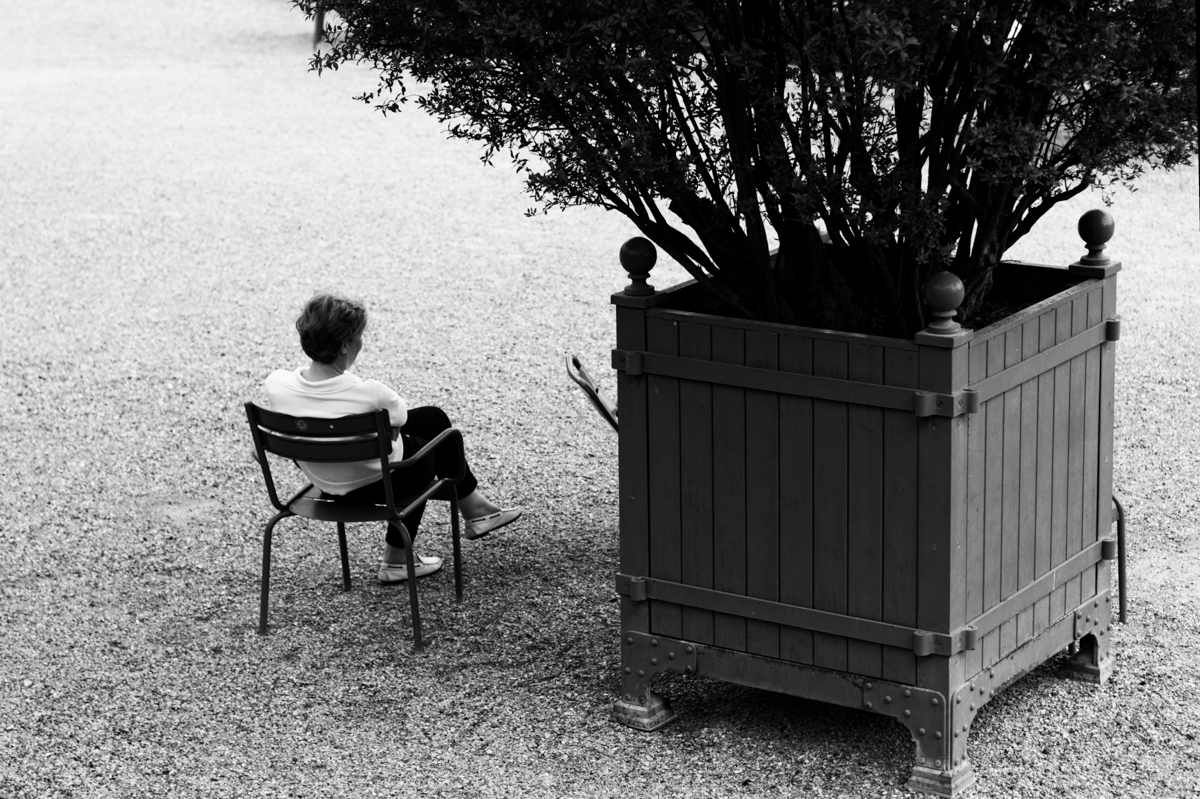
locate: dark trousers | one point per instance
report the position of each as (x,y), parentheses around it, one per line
(423,425)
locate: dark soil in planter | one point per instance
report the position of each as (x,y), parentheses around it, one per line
(1016,286)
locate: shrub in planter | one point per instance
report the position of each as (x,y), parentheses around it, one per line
(912,137)
(862,460)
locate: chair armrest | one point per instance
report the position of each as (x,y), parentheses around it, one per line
(450,438)
(433,488)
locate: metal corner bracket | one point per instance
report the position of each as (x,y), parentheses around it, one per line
(928,403)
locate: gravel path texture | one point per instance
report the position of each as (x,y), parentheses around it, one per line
(174,184)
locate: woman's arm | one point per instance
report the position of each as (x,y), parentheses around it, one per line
(394,404)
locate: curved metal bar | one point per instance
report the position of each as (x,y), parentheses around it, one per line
(1120,556)
(577,372)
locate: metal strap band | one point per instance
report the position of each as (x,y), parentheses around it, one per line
(1067,570)
(920,641)
(922,403)
(1042,362)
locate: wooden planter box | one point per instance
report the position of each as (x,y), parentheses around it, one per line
(903,527)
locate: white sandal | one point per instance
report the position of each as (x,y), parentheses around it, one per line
(398,572)
(482,525)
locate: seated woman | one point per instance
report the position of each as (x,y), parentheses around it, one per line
(331,333)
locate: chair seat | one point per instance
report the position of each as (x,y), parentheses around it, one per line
(316,504)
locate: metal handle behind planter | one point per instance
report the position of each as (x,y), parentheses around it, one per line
(579,374)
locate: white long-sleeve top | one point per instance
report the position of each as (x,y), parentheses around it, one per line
(346,394)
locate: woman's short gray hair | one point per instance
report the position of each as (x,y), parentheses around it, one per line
(327,322)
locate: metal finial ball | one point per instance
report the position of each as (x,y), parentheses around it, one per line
(1096,227)
(944,292)
(638,255)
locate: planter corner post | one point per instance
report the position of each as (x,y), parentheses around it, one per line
(1091,656)
(638,706)
(941,766)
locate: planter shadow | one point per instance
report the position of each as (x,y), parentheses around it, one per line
(903,527)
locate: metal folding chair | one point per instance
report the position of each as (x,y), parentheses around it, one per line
(360,437)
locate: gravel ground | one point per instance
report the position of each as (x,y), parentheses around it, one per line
(174,186)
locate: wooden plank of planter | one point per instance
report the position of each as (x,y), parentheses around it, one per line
(696,469)
(829,512)
(1021,528)
(1011,503)
(1061,469)
(899,565)
(796,497)
(762,493)
(994,491)
(1091,440)
(634,507)
(1026,547)
(663,439)
(993,515)
(729,487)
(1045,470)
(864,521)
(1025,626)
(977,465)
(1076,444)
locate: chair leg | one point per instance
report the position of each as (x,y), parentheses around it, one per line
(266,573)
(458,585)
(345,556)
(410,563)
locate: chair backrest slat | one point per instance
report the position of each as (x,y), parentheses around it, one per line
(361,437)
(321,450)
(310,427)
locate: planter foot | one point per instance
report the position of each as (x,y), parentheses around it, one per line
(942,783)
(1083,669)
(647,715)
(1091,661)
